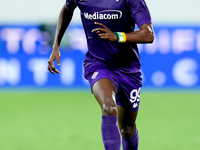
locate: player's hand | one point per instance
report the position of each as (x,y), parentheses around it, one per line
(105,33)
(55,55)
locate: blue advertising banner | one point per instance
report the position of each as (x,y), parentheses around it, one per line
(171,61)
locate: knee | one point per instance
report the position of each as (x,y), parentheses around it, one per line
(109,110)
(127,131)
(108,105)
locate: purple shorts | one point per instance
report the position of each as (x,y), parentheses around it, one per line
(128,85)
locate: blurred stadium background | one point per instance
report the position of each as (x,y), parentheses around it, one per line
(40,111)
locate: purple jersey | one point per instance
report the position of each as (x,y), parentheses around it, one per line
(118,16)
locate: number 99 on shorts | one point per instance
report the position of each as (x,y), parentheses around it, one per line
(135,97)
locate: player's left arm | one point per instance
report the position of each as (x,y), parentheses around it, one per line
(145,34)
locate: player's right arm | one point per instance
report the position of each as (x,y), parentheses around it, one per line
(63,22)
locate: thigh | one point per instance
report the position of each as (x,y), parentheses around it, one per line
(126,121)
(104,91)
(126,117)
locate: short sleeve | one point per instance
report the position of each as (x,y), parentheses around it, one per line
(71,4)
(139,11)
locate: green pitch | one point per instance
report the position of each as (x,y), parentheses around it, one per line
(72,121)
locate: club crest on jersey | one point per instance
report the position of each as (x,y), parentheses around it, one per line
(94,75)
(105,14)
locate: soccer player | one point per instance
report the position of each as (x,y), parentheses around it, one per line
(112,64)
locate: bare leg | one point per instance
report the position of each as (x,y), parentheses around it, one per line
(105,92)
(127,126)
